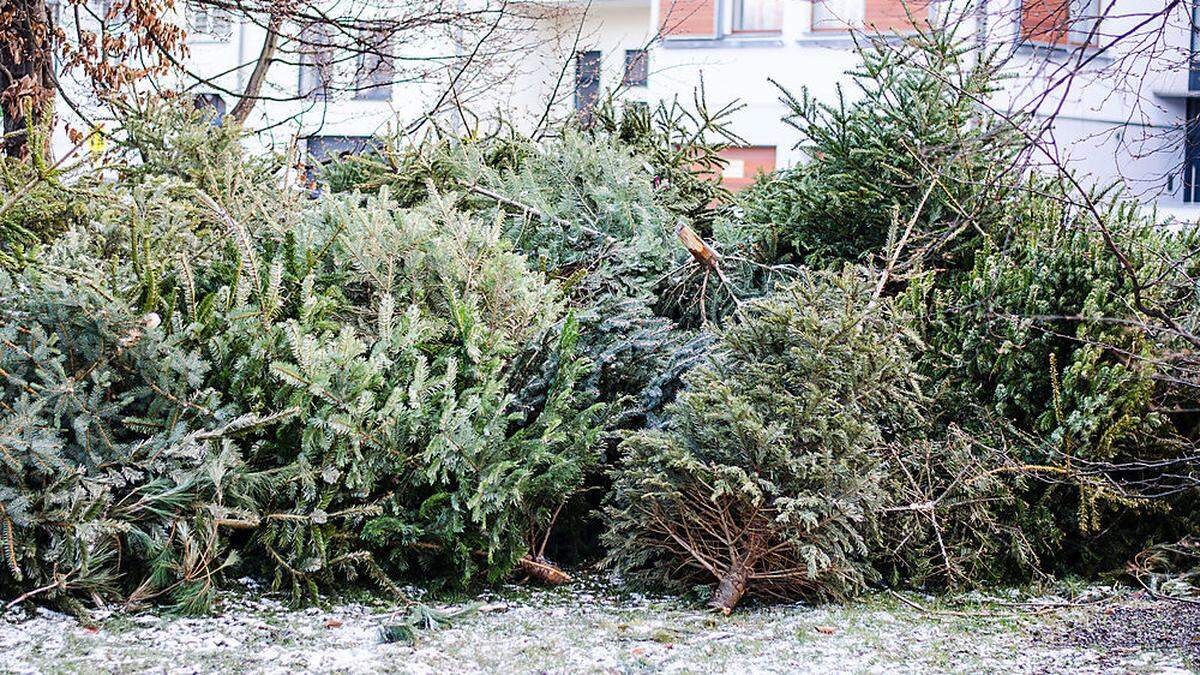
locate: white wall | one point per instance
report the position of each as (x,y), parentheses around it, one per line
(1112,121)
(546,77)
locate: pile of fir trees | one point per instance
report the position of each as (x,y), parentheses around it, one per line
(897,363)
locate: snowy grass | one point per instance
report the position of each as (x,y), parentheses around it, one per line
(588,627)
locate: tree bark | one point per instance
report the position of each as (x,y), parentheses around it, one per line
(26,74)
(543,571)
(695,244)
(536,568)
(249,97)
(731,588)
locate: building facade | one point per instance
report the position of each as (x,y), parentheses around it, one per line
(1117,81)
(1113,83)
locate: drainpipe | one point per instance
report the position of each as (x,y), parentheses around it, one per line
(981,25)
(241,53)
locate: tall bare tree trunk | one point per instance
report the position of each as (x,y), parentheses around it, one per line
(241,111)
(26,73)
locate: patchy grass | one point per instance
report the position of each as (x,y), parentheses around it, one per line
(591,627)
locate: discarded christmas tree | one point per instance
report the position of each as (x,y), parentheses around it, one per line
(764,483)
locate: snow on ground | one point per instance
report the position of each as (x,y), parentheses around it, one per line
(595,627)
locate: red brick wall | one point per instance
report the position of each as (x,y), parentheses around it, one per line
(1045,20)
(755,159)
(688,18)
(886,16)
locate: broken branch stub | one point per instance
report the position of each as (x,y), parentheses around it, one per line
(703,253)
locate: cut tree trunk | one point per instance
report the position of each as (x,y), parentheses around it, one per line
(543,570)
(534,568)
(731,588)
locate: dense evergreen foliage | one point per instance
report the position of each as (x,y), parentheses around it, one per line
(912,144)
(330,384)
(766,477)
(35,206)
(1043,330)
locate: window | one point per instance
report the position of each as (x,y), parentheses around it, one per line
(212,23)
(214,104)
(316,62)
(587,84)
(1191,153)
(376,70)
(56,19)
(640,109)
(757,16)
(101,14)
(637,68)
(1060,21)
(836,14)
(1085,16)
(326,148)
(101,9)
(323,150)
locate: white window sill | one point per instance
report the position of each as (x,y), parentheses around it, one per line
(732,41)
(1062,50)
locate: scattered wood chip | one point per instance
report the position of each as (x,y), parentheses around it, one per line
(494,607)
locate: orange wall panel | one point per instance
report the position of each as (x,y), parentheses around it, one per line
(688,18)
(1045,20)
(746,163)
(886,16)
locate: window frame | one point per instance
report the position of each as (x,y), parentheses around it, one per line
(1093,32)
(844,28)
(584,108)
(206,31)
(1194,48)
(1064,34)
(1191,152)
(736,10)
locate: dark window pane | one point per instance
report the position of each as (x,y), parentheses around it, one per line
(1191,152)
(323,148)
(587,83)
(1194,62)
(212,103)
(376,70)
(316,62)
(637,68)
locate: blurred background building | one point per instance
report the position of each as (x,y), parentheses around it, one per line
(1117,109)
